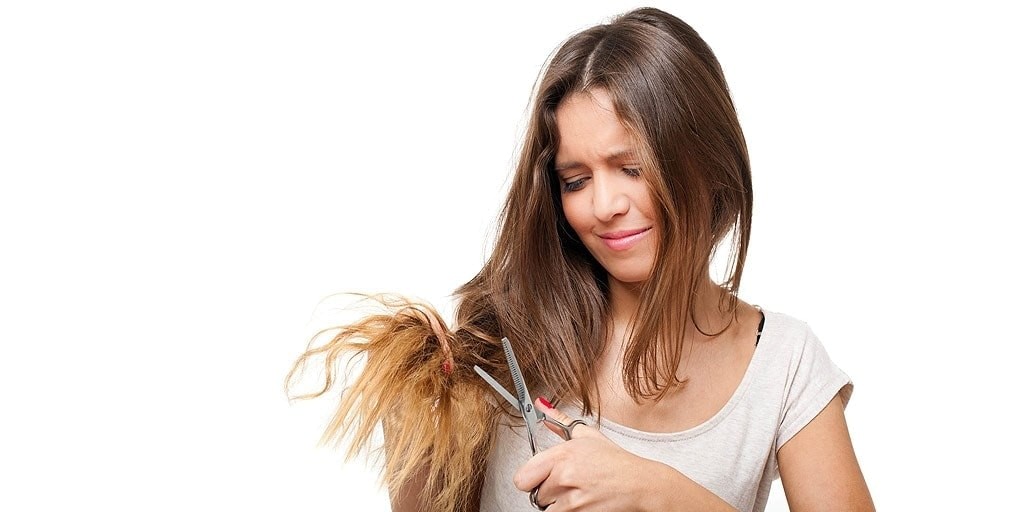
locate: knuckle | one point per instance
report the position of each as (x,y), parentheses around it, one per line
(574,499)
(566,474)
(570,475)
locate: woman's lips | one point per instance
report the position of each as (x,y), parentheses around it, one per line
(622,240)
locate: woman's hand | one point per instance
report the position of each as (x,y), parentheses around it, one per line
(590,472)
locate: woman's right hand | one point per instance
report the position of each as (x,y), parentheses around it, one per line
(591,472)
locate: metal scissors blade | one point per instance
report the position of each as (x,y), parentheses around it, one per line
(497,387)
(511,399)
(525,401)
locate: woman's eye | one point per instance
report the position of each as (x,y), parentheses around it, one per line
(632,171)
(574,185)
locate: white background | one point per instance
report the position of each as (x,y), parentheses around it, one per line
(183,182)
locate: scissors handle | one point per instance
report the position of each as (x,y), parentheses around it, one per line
(566,435)
(566,429)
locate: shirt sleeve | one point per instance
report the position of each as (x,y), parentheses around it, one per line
(812,382)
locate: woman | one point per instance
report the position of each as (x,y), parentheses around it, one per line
(633,170)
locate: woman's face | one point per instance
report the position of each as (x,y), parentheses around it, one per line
(604,198)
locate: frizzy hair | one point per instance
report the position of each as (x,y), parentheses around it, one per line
(436,419)
(540,286)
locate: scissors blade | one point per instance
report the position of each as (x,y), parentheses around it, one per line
(497,387)
(525,401)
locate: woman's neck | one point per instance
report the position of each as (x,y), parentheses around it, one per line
(624,301)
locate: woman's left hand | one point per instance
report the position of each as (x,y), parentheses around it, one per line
(588,472)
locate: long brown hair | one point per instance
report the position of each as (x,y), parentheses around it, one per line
(540,287)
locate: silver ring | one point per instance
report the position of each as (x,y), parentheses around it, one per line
(533,500)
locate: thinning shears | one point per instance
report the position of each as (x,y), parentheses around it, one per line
(524,403)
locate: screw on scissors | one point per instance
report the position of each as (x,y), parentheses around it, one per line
(524,403)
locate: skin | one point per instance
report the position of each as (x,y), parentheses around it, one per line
(603,193)
(602,190)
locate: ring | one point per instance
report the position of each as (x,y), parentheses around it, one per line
(533,500)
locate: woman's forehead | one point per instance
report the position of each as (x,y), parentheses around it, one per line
(590,129)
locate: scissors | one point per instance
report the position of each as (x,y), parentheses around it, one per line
(524,403)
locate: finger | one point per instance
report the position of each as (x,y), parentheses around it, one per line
(534,472)
(545,407)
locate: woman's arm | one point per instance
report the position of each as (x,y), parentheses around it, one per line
(819,469)
(675,492)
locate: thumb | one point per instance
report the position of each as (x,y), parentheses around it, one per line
(545,407)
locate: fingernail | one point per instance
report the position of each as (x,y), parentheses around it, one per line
(446,367)
(546,403)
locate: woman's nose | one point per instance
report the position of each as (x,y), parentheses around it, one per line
(609,200)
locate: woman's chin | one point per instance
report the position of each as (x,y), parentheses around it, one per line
(629,279)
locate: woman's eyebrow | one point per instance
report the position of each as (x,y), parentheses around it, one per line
(614,156)
(621,154)
(565,166)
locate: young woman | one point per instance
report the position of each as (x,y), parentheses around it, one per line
(633,171)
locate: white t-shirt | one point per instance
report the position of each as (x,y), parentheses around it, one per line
(789,380)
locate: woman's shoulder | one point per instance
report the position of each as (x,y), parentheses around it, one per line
(788,334)
(798,368)
(790,343)
(785,324)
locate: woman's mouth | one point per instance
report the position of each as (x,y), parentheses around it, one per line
(623,240)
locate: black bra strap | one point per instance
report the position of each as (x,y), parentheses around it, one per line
(760,327)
